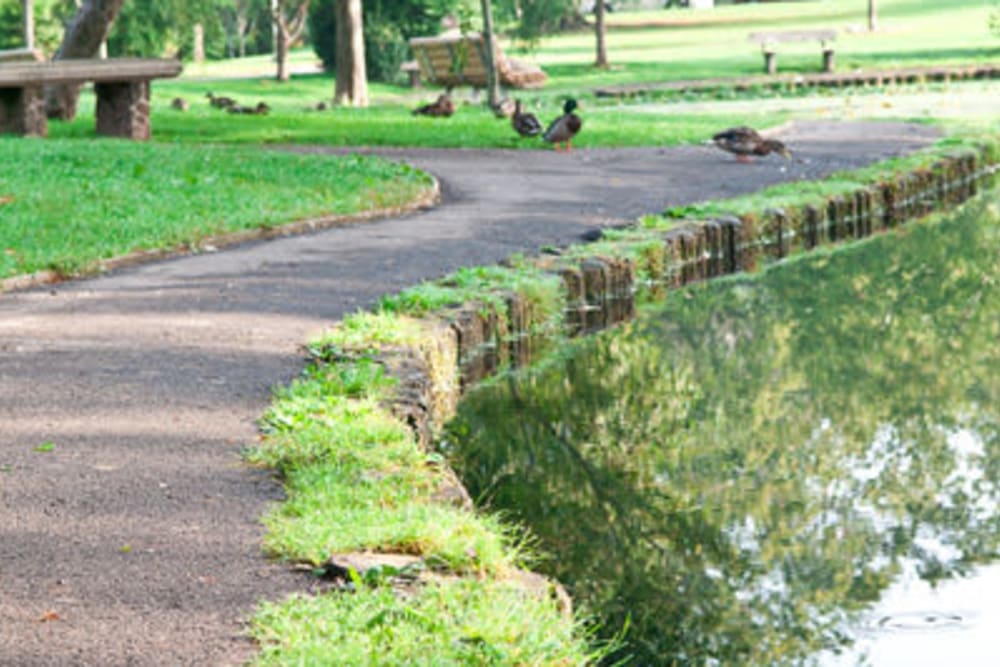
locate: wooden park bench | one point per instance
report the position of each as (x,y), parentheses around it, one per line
(769,40)
(461,60)
(120,84)
(411,68)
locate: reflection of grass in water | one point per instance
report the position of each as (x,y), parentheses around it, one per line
(692,472)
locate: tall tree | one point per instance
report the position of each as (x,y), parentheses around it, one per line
(489,38)
(352,80)
(599,28)
(872,15)
(289,18)
(83,39)
(28,11)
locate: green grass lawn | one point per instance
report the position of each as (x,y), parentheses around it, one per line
(69,204)
(675,44)
(644,47)
(472,126)
(666,45)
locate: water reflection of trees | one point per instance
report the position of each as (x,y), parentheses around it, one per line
(746,464)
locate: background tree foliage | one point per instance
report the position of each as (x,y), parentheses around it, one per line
(388,25)
(152,27)
(166,27)
(530,20)
(50,20)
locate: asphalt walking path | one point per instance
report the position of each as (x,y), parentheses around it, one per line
(129,528)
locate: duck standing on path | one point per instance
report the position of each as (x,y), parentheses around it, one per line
(565,127)
(746,141)
(525,123)
(443,107)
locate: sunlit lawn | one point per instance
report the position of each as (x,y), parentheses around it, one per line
(672,44)
(392,124)
(644,46)
(690,44)
(65,205)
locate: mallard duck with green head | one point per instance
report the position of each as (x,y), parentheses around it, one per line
(745,142)
(565,127)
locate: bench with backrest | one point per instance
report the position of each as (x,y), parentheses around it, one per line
(460,60)
(769,40)
(121,86)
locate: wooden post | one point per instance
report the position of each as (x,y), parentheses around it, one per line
(829,60)
(770,62)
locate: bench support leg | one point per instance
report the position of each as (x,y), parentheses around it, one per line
(770,62)
(829,62)
(22,111)
(123,109)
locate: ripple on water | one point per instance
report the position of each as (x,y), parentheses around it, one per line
(920,621)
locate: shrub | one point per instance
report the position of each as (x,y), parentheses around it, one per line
(49,17)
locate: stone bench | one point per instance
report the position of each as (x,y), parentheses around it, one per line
(120,84)
(769,40)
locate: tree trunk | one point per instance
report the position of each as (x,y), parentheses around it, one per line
(199,43)
(489,41)
(352,80)
(83,39)
(241,35)
(281,53)
(29,23)
(602,47)
(288,29)
(872,15)
(274,25)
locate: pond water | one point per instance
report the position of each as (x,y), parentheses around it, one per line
(795,467)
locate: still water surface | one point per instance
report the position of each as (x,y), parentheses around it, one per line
(795,467)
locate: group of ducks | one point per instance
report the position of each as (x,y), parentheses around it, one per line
(744,142)
(227,103)
(560,131)
(232,106)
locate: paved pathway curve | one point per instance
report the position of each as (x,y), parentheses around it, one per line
(135,540)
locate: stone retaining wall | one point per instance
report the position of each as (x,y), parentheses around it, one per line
(477,340)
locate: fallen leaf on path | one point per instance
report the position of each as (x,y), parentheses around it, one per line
(49,615)
(46,446)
